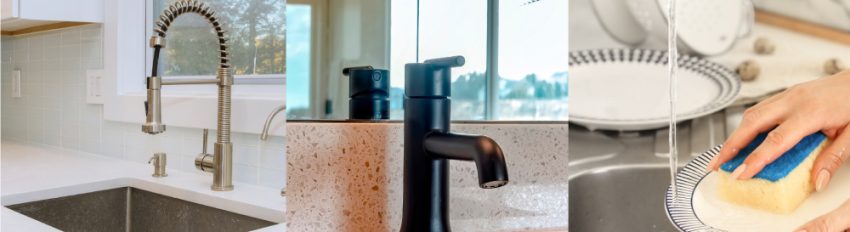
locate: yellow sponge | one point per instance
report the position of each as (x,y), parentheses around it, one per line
(782,185)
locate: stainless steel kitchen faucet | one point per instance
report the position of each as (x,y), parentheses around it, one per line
(222,157)
(265,134)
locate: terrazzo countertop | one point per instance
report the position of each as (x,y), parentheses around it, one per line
(348,177)
(31,173)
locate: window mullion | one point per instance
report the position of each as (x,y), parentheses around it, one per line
(492,66)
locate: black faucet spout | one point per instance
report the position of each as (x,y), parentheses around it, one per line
(486,153)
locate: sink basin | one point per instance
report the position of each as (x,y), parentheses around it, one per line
(618,180)
(131,209)
(620,199)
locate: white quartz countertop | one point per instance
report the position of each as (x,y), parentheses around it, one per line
(30,173)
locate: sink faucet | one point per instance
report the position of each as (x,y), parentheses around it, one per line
(222,157)
(428,147)
(265,134)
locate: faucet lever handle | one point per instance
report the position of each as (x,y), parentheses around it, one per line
(449,62)
(206,134)
(346,71)
(204,161)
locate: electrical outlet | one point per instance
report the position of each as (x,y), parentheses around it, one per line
(16,84)
(94,84)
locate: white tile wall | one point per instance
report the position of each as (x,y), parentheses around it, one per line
(52,110)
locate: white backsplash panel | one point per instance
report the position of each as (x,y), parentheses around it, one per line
(348,177)
(52,110)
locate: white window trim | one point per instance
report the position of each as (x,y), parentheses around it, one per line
(125,40)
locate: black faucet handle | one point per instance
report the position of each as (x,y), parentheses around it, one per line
(347,71)
(447,62)
(431,78)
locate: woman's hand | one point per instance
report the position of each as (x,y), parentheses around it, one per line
(820,105)
(837,220)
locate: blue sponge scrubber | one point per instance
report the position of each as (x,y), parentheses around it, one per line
(782,185)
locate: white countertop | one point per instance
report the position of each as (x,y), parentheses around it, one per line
(30,173)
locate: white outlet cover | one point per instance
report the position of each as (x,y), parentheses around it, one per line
(94,86)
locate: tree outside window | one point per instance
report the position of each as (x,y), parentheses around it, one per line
(256,32)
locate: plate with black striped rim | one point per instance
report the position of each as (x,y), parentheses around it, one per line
(627,89)
(699,208)
(681,212)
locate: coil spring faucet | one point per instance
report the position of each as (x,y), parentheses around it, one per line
(428,147)
(222,157)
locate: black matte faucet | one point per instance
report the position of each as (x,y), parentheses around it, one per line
(428,147)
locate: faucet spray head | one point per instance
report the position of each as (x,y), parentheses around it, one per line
(153,111)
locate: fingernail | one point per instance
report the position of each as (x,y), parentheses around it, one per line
(738,171)
(823,178)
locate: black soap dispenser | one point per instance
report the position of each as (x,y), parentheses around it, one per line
(368,90)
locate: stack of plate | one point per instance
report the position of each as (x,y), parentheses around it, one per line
(704,27)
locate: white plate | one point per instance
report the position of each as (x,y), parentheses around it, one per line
(704,27)
(627,89)
(702,210)
(618,21)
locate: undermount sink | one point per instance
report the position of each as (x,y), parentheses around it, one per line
(620,199)
(131,209)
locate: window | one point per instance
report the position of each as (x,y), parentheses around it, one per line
(298,57)
(529,77)
(255,29)
(458,30)
(533,60)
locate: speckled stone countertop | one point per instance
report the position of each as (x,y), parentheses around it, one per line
(348,177)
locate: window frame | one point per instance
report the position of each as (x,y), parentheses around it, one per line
(318,36)
(127,27)
(492,67)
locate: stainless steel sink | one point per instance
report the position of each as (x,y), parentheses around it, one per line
(131,209)
(618,180)
(620,199)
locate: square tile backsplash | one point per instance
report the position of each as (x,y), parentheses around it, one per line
(52,110)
